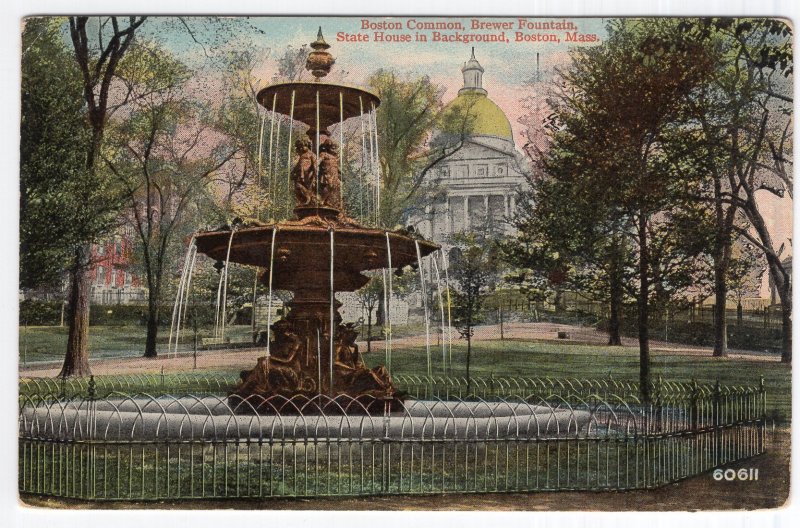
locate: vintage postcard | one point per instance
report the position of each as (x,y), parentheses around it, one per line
(403,263)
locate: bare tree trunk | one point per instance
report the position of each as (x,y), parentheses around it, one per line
(615,305)
(644,316)
(76,360)
(786,313)
(720,321)
(150,350)
(615,321)
(560,305)
(469,354)
(783,285)
(369,330)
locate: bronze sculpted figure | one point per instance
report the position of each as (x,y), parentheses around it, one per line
(352,374)
(330,182)
(304,172)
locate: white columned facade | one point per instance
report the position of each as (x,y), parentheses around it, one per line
(487,168)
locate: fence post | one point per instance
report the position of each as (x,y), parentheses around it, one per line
(717,422)
(693,404)
(657,404)
(762,431)
(91,426)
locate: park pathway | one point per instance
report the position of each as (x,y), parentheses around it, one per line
(238,358)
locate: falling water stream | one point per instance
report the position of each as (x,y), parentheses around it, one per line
(425,306)
(176,309)
(341,148)
(269,298)
(376,164)
(317,143)
(223,308)
(289,159)
(258,213)
(441,309)
(270,188)
(387,299)
(333,311)
(185,302)
(363,154)
(445,266)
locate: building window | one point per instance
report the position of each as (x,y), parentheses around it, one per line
(477,213)
(457,214)
(101,275)
(113,278)
(101,250)
(500,170)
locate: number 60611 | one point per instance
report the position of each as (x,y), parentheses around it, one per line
(733,474)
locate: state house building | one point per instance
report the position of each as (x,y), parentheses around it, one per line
(477,184)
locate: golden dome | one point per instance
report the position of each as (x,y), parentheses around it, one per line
(485,118)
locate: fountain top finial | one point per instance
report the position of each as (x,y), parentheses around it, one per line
(319,61)
(320,42)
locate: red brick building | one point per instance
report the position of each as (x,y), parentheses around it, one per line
(112,276)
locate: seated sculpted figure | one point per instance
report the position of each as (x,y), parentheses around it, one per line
(350,370)
(284,364)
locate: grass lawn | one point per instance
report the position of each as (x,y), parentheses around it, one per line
(499,358)
(544,359)
(47,343)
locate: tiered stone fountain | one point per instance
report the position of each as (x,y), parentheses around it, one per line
(319,252)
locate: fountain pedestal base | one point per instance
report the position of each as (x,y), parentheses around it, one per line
(300,362)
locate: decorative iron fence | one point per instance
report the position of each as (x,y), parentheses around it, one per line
(418,387)
(108,444)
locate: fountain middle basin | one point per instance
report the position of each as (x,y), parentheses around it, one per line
(302,253)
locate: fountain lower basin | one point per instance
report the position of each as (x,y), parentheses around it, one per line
(211,418)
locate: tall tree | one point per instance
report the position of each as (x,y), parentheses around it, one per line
(369,297)
(474,274)
(587,253)
(163,153)
(620,105)
(748,120)
(97,57)
(745,274)
(415,132)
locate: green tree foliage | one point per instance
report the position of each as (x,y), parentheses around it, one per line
(411,111)
(744,143)
(744,273)
(619,107)
(164,153)
(83,201)
(474,270)
(53,143)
